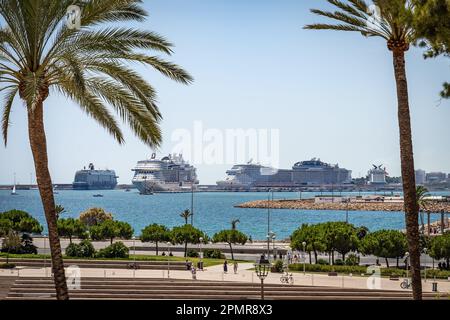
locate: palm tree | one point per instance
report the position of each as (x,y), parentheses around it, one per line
(234,224)
(392,21)
(39,51)
(59,210)
(185,215)
(422,193)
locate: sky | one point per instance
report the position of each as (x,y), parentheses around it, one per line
(329,94)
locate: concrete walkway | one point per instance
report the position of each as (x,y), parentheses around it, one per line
(215,273)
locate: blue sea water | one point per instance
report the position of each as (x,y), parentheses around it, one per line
(212,211)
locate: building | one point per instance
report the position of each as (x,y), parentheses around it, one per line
(421,176)
(436,177)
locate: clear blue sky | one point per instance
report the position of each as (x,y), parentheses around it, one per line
(332,95)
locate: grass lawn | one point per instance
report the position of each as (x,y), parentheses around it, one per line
(206,262)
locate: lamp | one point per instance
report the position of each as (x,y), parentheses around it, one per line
(262,268)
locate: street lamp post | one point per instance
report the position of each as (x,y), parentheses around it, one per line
(346,212)
(201,255)
(192,204)
(406,263)
(262,269)
(425,265)
(134,254)
(273,246)
(304,258)
(268,224)
(45,257)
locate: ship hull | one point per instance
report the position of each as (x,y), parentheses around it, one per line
(149,187)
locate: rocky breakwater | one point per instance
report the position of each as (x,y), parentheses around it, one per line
(309,204)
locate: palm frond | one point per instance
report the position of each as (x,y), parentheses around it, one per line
(8,102)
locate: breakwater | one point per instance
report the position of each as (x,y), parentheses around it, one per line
(309,204)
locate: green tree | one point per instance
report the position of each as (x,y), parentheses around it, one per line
(22,221)
(71,228)
(312,235)
(187,234)
(95,216)
(422,193)
(155,233)
(393,22)
(5,227)
(110,229)
(41,54)
(230,237)
(385,244)
(432,25)
(345,238)
(11,243)
(440,247)
(185,215)
(59,210)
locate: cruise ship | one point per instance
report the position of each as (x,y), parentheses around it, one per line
(306,173)
(169,174)
(91,179)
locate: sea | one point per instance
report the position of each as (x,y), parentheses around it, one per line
(213,211)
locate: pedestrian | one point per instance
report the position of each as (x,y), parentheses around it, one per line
(235,267)
(194,273)
(225,266)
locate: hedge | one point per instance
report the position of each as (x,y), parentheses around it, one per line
(357,270)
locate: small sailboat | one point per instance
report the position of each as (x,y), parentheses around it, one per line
(14,192)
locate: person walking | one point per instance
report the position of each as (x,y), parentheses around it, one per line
(194,273)
(235,267)
(225,267)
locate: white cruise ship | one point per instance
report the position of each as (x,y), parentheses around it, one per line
(169,174)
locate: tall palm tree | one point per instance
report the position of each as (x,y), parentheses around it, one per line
(185,215)
(392,21)
(422,193)
(41,53)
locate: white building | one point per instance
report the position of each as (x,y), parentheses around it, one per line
(421,176)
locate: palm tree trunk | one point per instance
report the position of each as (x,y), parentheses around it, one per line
(156,243)
(387,262)
(231,249)
(408,174)
(38,145)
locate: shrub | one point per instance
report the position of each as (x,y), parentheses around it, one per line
(116,250)
(192,253)
(338,262)
(73,250)
(213,254)
(278,266)
(352,260)
(322,262)
(328,268)
(7,266)
(83,250)
(27,246)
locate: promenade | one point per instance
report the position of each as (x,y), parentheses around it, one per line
(244,275)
